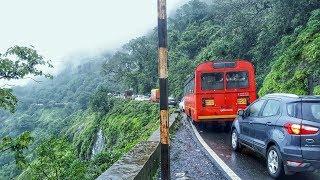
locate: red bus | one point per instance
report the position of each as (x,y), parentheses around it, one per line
(217,90)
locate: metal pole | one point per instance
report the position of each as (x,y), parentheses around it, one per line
(163,82)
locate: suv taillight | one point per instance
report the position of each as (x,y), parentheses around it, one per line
(309,130)
(297,129)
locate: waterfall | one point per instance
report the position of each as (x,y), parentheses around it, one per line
(98,144)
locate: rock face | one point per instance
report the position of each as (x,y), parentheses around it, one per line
(99,144)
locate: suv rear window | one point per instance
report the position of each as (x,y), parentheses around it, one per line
(311,111)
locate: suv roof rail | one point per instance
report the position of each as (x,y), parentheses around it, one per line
(282,95)
(310,97)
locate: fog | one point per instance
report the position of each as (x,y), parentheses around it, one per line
(64,29)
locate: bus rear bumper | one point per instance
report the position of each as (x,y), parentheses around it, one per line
(217,118)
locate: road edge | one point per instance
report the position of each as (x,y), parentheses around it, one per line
(222,165)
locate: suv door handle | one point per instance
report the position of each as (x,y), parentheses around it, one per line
(268,123)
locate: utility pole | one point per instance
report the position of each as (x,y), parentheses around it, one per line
(163,82)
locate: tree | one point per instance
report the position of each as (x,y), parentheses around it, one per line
(101,102)
(55,159)
(296,67)
(136,64)
(17,145)
(17,63)
(83,99)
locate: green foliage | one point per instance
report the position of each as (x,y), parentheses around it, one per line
(316,90)
(17,145)
(135,64)
(7,100)
(125,124)
(82,133)
(16,63)
(105,159)
(101,101)
(128,123)
(297,65)
(55,159)
(50,108)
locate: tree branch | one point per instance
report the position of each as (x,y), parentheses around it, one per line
(4,150)
(5,84)
(37,81)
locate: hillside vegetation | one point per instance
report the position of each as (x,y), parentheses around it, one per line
(69,156)
(281,38)
(64,116)
(296,67)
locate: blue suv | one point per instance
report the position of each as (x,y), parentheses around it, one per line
(284,128)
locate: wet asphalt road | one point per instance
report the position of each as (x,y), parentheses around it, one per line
(247,165)
(189,159)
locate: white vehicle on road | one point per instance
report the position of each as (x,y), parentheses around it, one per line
(142,98)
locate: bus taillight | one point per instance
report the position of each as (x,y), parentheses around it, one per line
(242,100)
(207,102)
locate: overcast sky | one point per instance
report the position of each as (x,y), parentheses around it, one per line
(58,28)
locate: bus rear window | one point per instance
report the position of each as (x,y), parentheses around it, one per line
(237,79)
(212,81)
(311,111)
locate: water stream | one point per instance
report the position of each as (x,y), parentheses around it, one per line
(98,144)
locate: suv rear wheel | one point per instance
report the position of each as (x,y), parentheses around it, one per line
(236,146)
(274,162)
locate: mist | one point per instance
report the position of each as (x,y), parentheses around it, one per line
(67,31)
